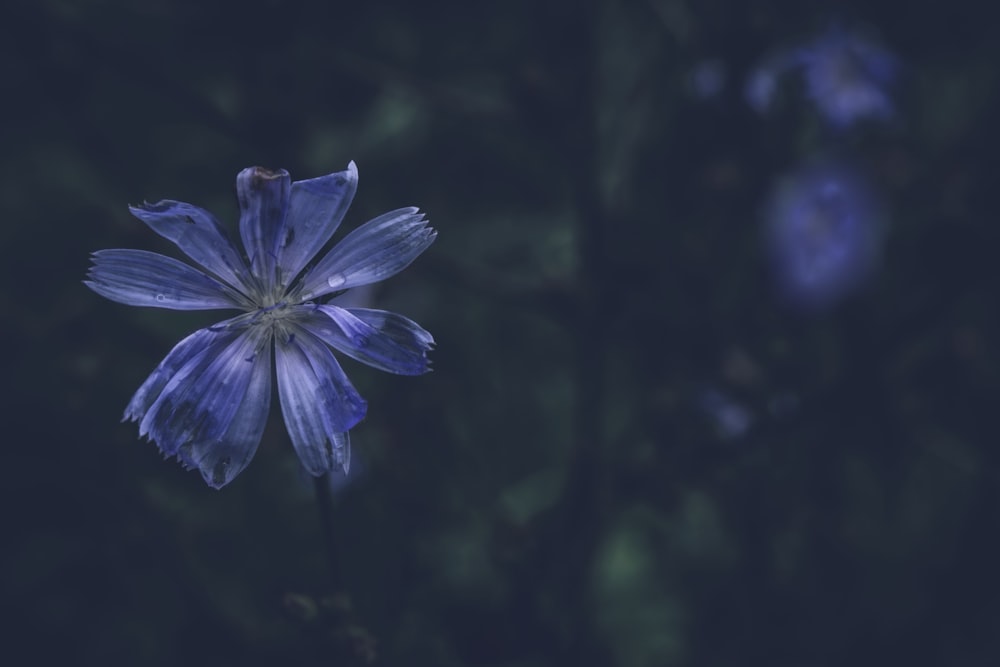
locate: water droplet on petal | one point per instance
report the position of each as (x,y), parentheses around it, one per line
(336,280)
(161,297)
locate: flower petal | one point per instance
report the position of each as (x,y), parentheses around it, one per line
(385,340)
(199,402)
(318,402)
(374,251)
(263,197)
(825,232)
(221,459)
(203,343)
(140,278)
(343,451)
(316,209)
(340,404)
(198,234)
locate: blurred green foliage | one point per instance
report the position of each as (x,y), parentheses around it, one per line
(552,494)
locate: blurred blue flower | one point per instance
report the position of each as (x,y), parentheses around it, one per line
(762,82)
(847,76)
(708,78)
(208,400)
(732,420)
(824,232)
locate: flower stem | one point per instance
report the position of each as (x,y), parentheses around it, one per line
(324,501)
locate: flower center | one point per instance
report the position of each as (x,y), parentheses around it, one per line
(273,313)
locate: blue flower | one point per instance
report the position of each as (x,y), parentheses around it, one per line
(732,420)
(208,400)
(708,78)
(824,233)
(848,77)
(762,82)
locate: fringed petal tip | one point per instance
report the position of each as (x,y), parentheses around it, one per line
(145,207)
(218,462)
(381,339)
(198,233)
(344,459)
(142,278)
(341,458)
(217,471)
(378,249)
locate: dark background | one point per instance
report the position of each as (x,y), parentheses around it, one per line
(555,492)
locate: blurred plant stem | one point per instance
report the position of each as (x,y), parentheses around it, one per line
(324,502)
(586,501)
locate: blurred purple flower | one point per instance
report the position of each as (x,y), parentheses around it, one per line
(824,234)
(762,82)
(708,78)
(731,420)
(847,77)
(208,400)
